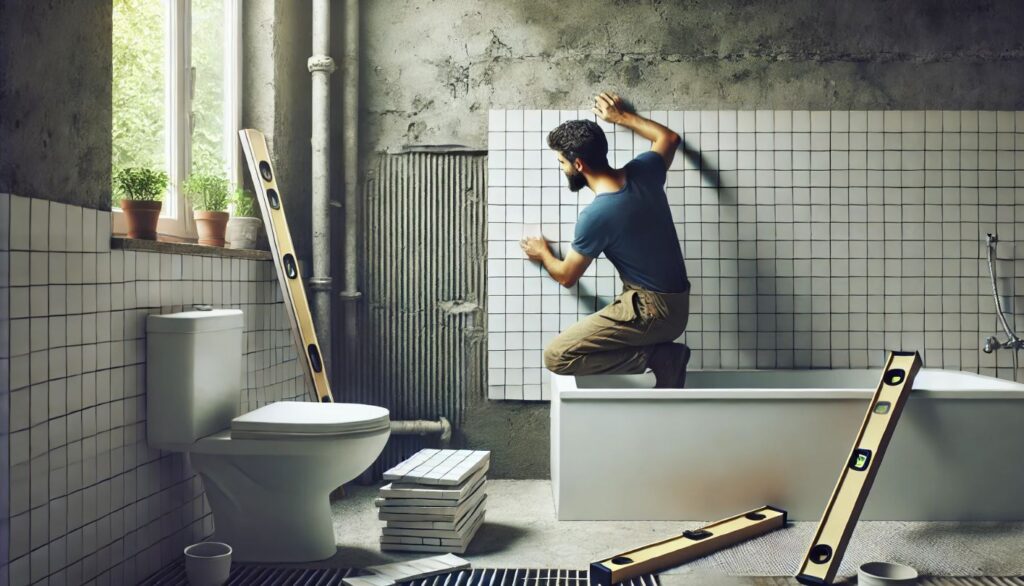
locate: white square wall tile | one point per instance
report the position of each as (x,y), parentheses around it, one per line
(57,227)
(74,228)
(38,268)
(104,230)
(5,221)
(496,121)
(549,119)
(20,227)
(514,121)
(89,229)
(39,223)
(532,120)
(5,275)
(20,268)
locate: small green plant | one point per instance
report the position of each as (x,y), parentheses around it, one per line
(245,203)
(208,193)
(140,184)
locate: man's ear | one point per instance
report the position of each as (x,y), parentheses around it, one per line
(579,165)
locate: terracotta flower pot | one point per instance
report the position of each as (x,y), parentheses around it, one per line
(244,232)
(142,217)
(211,227)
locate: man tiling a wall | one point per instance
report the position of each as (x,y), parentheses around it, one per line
(629,221)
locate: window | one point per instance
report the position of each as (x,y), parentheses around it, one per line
(176,99)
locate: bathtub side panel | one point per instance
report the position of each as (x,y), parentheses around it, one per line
(949,460)
(953,460)
(555,460)
(701,460)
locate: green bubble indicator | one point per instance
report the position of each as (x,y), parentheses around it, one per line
(860,459)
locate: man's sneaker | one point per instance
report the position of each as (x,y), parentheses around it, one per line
(668,361)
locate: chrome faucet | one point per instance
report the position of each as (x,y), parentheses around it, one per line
(992,344)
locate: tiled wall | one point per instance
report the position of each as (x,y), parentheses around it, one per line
(86,498)
(812,239)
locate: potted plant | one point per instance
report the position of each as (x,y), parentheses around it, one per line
(209,197)
(244,228)
(140,193)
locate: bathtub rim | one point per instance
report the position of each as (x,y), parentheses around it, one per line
(564,388)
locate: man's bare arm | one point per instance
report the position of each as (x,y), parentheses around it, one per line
(664,140)
(567,272)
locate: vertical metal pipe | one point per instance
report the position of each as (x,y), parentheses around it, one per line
(321,66)
(350,294)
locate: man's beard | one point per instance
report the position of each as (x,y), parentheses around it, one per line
(576,181)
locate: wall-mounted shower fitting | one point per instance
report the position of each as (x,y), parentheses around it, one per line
(1012,340)
(992,344)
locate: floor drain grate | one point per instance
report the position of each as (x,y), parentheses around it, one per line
(253,575)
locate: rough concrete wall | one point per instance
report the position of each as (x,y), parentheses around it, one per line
(258,91)
(431,70)
(434,69)
(55,67)
(276,101)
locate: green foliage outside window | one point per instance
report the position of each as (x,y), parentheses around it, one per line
(208,56)
(138,92)
(139,133)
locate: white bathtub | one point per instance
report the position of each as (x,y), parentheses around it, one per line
(734,440)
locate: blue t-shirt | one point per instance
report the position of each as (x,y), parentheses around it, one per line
(633,227)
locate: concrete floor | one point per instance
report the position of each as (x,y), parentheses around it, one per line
(520,531)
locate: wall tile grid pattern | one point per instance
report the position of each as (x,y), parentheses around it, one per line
(813,239)
(86,498)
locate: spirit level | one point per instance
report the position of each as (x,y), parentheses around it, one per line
(826,551)
(254,145)
(686,547)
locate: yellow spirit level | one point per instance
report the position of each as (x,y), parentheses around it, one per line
(688,546)
(254,145)
(826,552)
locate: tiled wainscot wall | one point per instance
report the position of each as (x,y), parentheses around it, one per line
(812,239)
(86,499)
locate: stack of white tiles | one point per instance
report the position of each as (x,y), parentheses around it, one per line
(435,501)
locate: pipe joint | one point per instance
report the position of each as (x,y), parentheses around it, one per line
(320,63)
(442,427)
(320,283)
(350,295)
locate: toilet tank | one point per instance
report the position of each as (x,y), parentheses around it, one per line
(193,375)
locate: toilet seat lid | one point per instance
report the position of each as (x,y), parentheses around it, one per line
(299,417)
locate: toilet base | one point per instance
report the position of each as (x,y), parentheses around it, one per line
(265,526)
(271,497)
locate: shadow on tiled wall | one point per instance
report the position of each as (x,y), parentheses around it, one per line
(812,239)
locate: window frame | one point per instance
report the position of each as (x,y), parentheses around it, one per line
(176,223)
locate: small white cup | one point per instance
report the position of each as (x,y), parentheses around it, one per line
(208,563)
(886,574)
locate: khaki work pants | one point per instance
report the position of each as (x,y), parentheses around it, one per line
(621,336)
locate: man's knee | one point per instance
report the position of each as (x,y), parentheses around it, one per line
(557,359)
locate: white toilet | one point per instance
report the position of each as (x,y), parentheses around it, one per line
(268,473)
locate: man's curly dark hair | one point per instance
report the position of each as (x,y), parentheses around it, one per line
(582,139)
